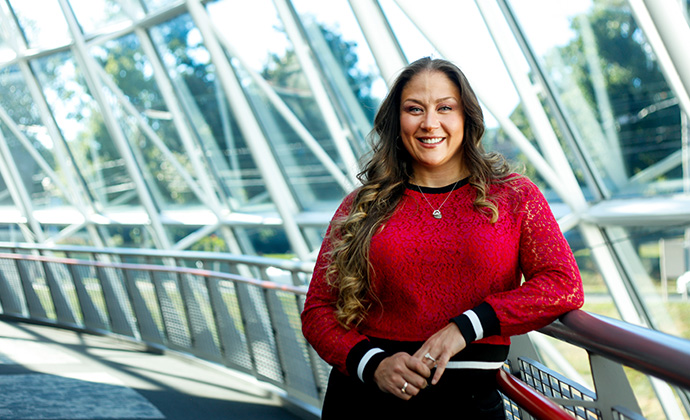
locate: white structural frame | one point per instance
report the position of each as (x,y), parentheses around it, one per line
(600,222)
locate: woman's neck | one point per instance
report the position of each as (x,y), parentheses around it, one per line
(437,179)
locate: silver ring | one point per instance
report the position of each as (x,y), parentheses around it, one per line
(404,387)
(428,356)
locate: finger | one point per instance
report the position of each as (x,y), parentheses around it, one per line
(419,367)
(429,360)
(419,354)
(440,368)
(407,391)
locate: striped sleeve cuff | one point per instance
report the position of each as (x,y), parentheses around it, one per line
(363,360)
(477,323)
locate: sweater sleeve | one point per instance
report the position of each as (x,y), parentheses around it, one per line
(552,285)
(345,349)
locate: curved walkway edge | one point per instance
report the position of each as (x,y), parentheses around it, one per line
(52,373)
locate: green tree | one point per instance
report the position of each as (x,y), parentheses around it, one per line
(643,105)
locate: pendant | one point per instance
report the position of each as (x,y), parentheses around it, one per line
(437,214)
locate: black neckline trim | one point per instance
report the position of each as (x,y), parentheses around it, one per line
(438,190)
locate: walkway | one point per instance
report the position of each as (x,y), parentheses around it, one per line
(49,373)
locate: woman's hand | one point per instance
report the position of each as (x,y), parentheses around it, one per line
(402,375)
(439,348)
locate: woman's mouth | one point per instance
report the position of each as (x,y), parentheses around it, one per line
(430,140)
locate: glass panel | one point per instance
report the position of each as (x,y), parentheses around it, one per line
(11,232)
(131,71)
(42,22)
(214,242)
(309,179)
(411,40)
(268,241)
(6,36)
(155,5)
(496,140)
(194,79)
(83,128)
(129,236)
(273,59)
(610,86)
(598,298)
(655,259)
(5,197)
(266,34)
(93,15)
(348,63)
(19,106)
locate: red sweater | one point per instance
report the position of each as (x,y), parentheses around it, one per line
(459,268)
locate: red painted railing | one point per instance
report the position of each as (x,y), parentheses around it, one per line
(528,399)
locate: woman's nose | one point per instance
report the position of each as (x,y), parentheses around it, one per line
(430,121)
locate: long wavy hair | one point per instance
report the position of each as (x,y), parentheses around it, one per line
(383,181)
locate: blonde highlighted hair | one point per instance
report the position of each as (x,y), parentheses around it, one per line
(383,184)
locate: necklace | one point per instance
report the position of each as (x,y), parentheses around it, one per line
(437,212)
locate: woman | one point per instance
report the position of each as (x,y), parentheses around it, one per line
(417,287)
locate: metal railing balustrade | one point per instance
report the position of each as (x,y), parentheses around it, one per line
(243,312)
(247,324)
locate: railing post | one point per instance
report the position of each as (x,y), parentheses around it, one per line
(11,304)
(258,332)
(291,348)
(63,310)
(91,316)
(203,343)
(119,321)
(521,346)
(174,323)
(233,344)
(33,303)
(147,327)
(612,386)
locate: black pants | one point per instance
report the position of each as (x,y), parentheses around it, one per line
(460,394)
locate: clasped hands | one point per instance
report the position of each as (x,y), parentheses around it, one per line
(405,375)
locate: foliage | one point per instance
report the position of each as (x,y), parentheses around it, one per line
(647,116)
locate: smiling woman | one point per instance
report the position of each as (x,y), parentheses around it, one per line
(415,309)
(432,129)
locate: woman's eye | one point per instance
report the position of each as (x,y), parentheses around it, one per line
(445,108)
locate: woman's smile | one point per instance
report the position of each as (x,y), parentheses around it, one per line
(431,140)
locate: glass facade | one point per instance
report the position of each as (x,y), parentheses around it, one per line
(238,126)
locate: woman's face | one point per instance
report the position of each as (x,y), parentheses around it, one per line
(432,124)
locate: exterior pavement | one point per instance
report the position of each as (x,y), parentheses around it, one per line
(50,373)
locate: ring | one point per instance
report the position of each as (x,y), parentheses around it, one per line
(404,387)
(428,356)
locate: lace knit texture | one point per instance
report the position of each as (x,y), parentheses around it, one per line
(429,270)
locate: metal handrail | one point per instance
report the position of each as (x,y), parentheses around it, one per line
(649,351)
(530,400)
(258,261)
(251,330)
(265,284)
(273,320)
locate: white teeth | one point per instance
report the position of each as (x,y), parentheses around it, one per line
(431,141)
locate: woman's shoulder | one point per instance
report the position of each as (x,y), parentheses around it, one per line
(514,181)
(350,198)
(346,204)
(516,187)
